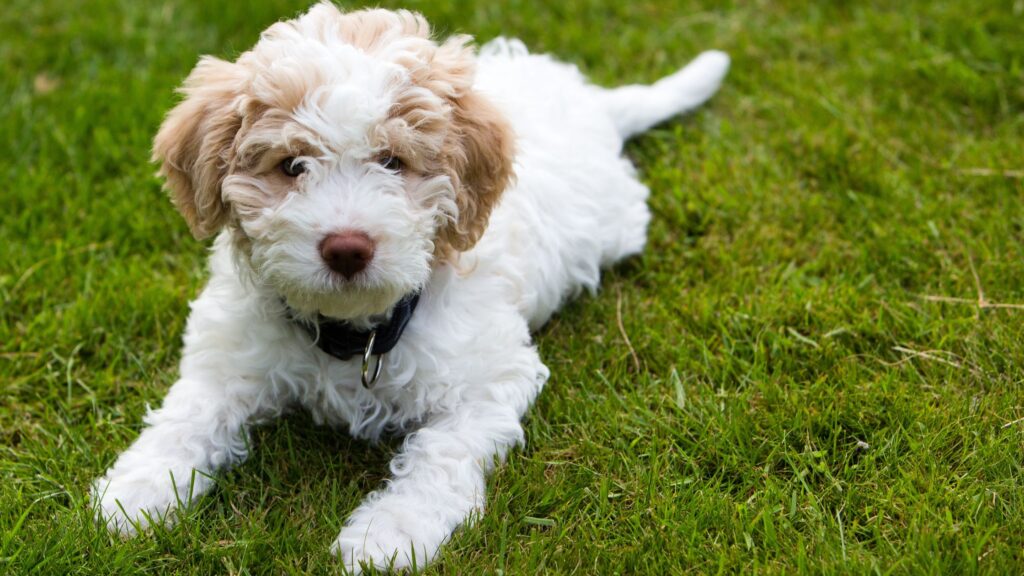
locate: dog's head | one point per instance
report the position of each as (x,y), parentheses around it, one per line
(347,153)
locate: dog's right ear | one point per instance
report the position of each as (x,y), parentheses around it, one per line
(195,142)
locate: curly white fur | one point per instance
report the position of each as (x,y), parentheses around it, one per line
(465,371)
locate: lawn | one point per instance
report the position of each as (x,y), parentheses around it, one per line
(816,367)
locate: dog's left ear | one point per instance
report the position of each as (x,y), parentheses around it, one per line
(480,148)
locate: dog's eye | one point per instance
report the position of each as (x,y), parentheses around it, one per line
(393,163)
(292,167)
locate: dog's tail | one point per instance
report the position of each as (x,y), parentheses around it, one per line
(637,107)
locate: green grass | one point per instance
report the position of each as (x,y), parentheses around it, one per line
(795,402)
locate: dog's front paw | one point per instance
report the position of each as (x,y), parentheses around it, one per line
(127,503)
(389,538)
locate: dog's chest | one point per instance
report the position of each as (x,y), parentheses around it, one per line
(406,391)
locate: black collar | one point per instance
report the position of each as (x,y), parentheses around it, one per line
(340,340)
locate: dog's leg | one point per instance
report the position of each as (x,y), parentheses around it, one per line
(200,427)
(439,477)
(439,481)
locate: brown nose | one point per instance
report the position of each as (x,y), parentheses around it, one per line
(347,253)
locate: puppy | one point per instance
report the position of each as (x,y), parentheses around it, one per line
(393,216)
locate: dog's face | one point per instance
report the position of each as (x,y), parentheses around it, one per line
(347,153)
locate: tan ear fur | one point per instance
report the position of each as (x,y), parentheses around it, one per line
(481,145)
(194,144)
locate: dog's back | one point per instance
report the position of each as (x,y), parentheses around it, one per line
(576,205)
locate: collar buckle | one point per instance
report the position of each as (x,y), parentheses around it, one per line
(367,378)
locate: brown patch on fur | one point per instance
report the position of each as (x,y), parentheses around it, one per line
(194,144)
(369,29)
(480,150)
(479,144)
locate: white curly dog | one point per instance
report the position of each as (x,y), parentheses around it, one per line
(394,215)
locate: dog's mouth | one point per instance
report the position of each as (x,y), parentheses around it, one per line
(343,299)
